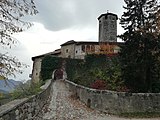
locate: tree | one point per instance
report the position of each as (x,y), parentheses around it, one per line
(11,14)
(139,55)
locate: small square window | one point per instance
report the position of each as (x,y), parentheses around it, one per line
(83,48)
(66,50)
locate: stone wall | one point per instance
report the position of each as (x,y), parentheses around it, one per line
(36,69)
(108,27)
(27,108)
(116,102)
(67,51)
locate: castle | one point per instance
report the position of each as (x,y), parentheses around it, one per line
(107,44)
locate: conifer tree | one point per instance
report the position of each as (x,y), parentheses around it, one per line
(139,55)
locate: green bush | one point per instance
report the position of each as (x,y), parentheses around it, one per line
(26,90)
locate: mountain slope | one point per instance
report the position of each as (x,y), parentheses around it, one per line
(8,85)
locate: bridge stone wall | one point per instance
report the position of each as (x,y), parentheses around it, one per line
(116,102)
(27,108)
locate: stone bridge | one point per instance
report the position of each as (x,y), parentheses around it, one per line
(64,100)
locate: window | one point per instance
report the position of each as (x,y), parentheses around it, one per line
(83,48)
(66,50)
(92,48)
(88,48)
(76,51)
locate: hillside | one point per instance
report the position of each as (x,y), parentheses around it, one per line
(9,85)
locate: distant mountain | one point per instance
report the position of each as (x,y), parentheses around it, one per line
(8,85)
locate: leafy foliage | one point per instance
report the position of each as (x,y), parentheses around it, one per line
(99,84)
(23,90)
(11,13)
(73,70)
(5,98)
(97,68)
(9,65)
(49,64)
(139,55)
(109,71)
(94,60)
(26,90)
(87,72)
(10,20)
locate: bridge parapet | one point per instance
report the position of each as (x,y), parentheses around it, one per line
(116,102)
(27,108)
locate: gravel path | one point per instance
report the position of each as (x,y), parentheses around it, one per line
(64,106)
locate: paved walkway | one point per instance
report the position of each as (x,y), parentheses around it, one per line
(63,106)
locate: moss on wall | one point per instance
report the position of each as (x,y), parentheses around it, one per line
(86,72)
(49,64)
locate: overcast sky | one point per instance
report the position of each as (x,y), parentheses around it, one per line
(59,21)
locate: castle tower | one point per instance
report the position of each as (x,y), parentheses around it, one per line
(108,27)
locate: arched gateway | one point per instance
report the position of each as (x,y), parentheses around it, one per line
(59,74)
